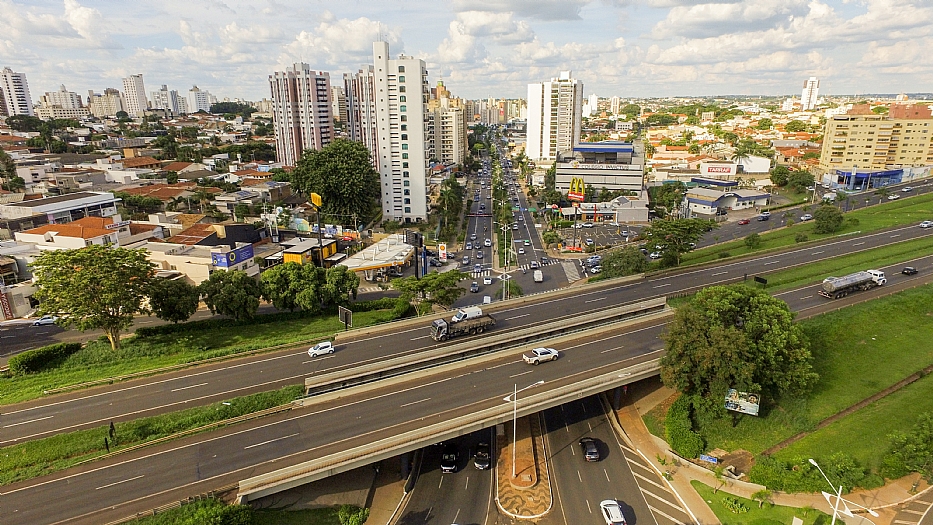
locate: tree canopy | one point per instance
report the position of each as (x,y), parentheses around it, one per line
(795,126)
(736,337)
(627,261)
(232,293)
(666,199)
(827,218)
(434,288)
(342,174)
(780,175)
(232,107)
(94,287)
(291,286)
(173,300)
(675,236)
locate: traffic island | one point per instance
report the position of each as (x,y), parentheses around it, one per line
(527,495)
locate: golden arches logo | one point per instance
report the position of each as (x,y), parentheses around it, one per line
(577,189)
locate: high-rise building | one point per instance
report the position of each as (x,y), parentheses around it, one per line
(449,127)
(810,93)
(361,110)
(301,111)
(589,107)
(863,140)
(554,113)
(614,104)
(339,99)
(402,91)
(166,99)
(62,98)
(182,106)
(14,94)
(200,100)
(134,95)
(106,105)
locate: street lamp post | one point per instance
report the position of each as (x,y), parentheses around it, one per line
(845,510)
(514,401)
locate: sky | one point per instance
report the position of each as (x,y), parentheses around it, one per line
(479,48)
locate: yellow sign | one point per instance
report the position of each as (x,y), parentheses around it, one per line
(577,189)
(315,199)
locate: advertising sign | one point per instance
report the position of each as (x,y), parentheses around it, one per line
(5,304)
(228,259)
(577,189)
(743,402)
(727,170)
(442,252)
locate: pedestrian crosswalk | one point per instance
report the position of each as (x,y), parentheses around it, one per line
(571,270)
(485,273)
(527,267)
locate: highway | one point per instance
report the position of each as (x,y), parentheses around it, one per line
(202,385)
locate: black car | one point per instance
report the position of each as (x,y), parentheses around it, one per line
(590,449)
(450,458)
(909,270)
(482,459)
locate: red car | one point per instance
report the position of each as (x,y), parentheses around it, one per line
(744,221)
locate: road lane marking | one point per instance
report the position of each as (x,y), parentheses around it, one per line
(118,482)
(894,236)
(579,476)
(816,253)
(594,300)
(521,374)
(607,476)
(516,317)
(422,337)
(718,273)
(859,243)
(270,441)
(415,402)
(771,262)
(186,387)
(587,501)
(662,285)
(612,349)
(30,421)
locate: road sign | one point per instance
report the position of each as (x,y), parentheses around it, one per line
(346,317)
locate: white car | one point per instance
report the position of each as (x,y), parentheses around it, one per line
(806,217)
(44,320)
(926,224)
(325,347)
(539,355)
(487,243)
(487,280)
(596,269)
(612,512)
(521,251)
(655,255)
(893,197)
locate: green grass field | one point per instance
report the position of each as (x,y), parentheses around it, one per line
(98,361)
(858,351)
(201,512)
(767,515)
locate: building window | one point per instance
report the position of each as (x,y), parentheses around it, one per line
(407,201)
(403,98)
(407,209)
(404,136)
(401,78)
(404,118)
(404,127)
(404,146)
(404,174)
(401,69)
(404,155)
(406,182)
(401,89)
(404,164)
(403,109)
(407,192)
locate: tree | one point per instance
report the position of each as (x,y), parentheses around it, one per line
(94,287)
(780,175)
(799,180)
(282,284)
(434,288)
(765,124)
(627,261)
(666,199)
(24,123)
(795,126)
(231,293)
(762,496)
(675,236)
(752,241)
(550,237)
(827,219)
(736,337)
(173,300)
(341,285)
(342,174)
(122,115)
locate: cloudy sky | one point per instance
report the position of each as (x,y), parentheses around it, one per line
(481,48)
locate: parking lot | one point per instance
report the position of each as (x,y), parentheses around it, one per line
(602,234)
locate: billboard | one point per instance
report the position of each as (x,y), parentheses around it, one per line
(718,169)
(743,402)
(442,252)
(577,190)
(228,259)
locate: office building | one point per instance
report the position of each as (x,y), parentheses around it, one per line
(106,104)
(166,99)
(134,95)
(554,113)
(360,91)
(14,94)
(301,112)
(401,88)
(810,94)
(200,100)
(863,140)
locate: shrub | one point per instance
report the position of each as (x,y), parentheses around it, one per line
(801,237)
(32,361)
(752,241)
(799,475)
(352,515)
(734,505)
(679,429)
(724,255)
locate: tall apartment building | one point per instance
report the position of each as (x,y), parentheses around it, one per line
(810,94)
(360,90)
(166,99)
(199,100)
(615,103)
(62,98)
(134,95)
(14,94)
(449,126)
(301,113)
(106,104)
(554,117)
(339,99)
(862,140)
(401,89)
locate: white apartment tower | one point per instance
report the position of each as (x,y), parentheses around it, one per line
(554,113)
(615,103)
(134,95)
(199,100)
(14,94)
(106,105)
(808,97)
(62,98)
(301,112)
(401,89)
(166,99)
(360,89)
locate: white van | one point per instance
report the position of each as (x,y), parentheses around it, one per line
(539,276)
(470,312)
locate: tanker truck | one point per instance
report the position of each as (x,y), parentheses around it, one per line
(836,287)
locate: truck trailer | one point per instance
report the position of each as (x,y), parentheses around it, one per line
(441,330)
(837,287)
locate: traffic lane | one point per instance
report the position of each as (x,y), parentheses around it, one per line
(271,443)
(583,485)
(463,497)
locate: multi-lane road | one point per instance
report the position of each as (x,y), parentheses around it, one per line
(161,474)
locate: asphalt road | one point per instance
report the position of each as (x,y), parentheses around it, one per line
(157,475)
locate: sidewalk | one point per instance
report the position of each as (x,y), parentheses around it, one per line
(528,495)
(883,500)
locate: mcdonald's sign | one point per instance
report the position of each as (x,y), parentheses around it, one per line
(577,189)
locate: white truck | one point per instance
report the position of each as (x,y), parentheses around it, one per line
(539,276)
(441,330)
(469,312)
(837,287)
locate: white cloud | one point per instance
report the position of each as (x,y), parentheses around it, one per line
(339,42)
(540,9)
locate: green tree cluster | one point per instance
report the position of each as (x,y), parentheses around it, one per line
(293,286)
(342,174)
(666,198)
(827,218)
(236,108)
(620,263)
(911,451)
(676,236)
(434,288)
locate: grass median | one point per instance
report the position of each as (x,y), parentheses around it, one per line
(734,510)
(139,354)
(41,457)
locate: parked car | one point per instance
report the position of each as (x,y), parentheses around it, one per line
(44,320)
(587,224)
(744,221)
(806,217)
(588,242)
(590,449)
(596,269)
(539,355)
(612,512)
(655,255)
(482,459)
(909,270)
(324,347)
(450,458)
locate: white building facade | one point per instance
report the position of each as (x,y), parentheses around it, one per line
(166,99)
(301,112)
(14,94)
(810,94)
(134,95)
(199,100)
(554,117)
(361,110)
(62,98)
(106,104)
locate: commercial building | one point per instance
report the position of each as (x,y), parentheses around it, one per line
(554,117)
(301,112)
(401,88)
(107,104)
(864,140)
(14,94)
(609,164)
(26,214)
(134,95)
(810,94)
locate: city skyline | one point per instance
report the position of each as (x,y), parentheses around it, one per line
(482,48)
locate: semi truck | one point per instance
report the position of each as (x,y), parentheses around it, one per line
(836,287)
(442,330)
